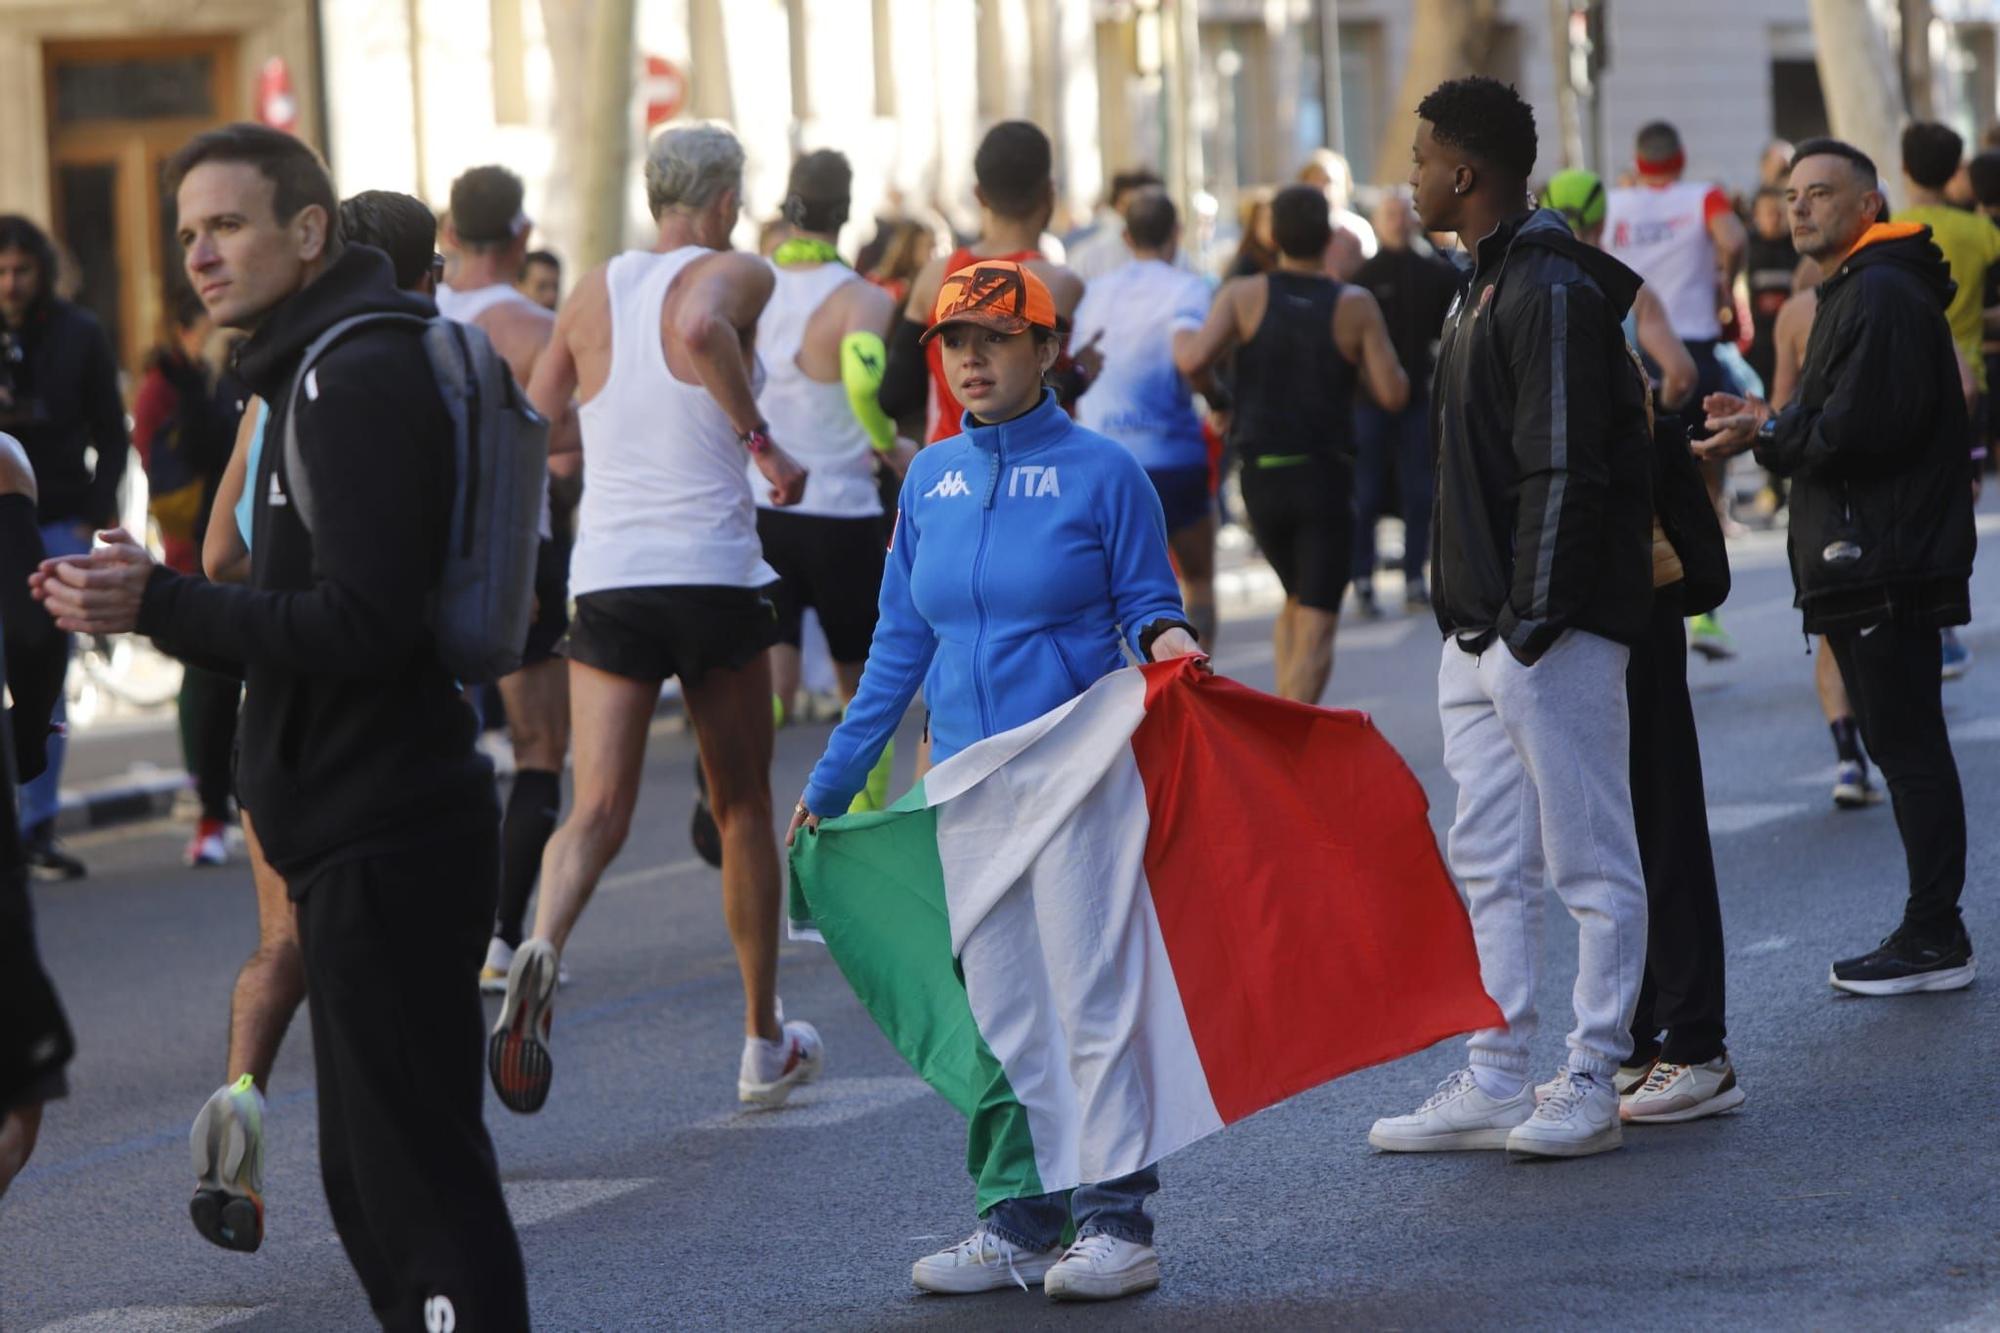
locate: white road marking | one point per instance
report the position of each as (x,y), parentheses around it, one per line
(648,874)
(532,1202)
(1771,945)
(832,1102)
(1742,816)
(156,1319)
(1985,729)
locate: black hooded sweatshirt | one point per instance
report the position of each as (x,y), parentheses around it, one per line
(354,740)
(1877,445)
(1542,520)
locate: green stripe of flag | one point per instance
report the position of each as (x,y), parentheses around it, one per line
(879,903)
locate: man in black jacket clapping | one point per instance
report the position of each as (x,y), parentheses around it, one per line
(356,754)
(1882,534)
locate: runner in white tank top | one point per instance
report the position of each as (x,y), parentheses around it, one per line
(822,343)
(667,575)
(490,229)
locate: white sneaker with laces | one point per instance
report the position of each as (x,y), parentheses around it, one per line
(1627,1078)
(1103,1268)
(1455,1118)
(1578,1118)
(981,1262)
(493,976)
(1673,1093)
(767,1077)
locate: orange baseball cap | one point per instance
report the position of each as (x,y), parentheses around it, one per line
(996,294)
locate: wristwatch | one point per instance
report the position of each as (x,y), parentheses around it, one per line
(755,439)
(1769,430)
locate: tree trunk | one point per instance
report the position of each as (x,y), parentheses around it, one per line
(608,131)
(1919,94)
(1569,139)
(1448,39)
(1857,76)
(560,221)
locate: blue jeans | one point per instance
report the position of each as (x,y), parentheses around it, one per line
(1403,438)
(1114,1208)
(41,798)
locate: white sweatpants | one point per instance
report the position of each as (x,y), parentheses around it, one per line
(1541,758)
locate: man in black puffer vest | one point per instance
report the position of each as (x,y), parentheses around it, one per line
(1882,535)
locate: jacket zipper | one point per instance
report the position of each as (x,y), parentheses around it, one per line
(979,682)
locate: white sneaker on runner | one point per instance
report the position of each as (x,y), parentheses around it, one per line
(493,976)
(227,1144)
(1455,1118)
(770,1070)
(517,1054)
(1673,1093)
(1579,1118)
(1625,1080)
(981,1262)
(1102,1268)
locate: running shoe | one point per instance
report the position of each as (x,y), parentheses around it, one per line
(1906,963)
(1416,595)
(1102,1268)
(767,1076)
(1627,1080)
(1364,600)
(46,858)
(517,1054)
(1957,658)
(1854,789)
(703,831)
(227,1144)
(1673,1093)
(1707,637)
(209,846)
(981,1262)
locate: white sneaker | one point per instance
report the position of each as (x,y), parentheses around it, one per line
(1579,1118)
(981,1262)
(517,1054)
(227,1145)
(1673,1093)
(1625,1080)
(766,1078)
(493,976)
(1457,1117)
(1103,1268)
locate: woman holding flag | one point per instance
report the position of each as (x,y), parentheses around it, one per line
(996,641)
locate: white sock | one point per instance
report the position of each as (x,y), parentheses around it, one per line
(1498,1083)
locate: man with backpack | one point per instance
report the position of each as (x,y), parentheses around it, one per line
(357,755)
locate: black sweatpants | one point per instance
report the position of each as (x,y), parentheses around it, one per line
(1683,989)
(392,946)
(1892,675)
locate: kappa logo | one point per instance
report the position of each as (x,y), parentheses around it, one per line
(1033,482)
(949,484)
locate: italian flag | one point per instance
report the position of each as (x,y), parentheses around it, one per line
(1152,912)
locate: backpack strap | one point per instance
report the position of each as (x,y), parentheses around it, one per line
(298,481)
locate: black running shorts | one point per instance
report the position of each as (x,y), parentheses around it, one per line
(1302,515)
(834,566)
(686,630)
(551,603)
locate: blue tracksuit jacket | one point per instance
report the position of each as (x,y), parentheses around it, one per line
(1022,552)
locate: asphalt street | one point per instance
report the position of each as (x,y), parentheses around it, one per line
(1859,1187)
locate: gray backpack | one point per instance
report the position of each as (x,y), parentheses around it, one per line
(485,599)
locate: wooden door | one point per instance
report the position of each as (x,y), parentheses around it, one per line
(117,111)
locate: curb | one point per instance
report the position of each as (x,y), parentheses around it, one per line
(121,801)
